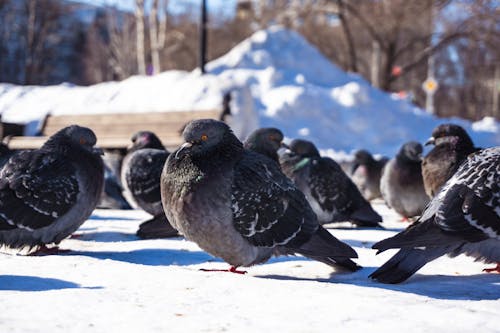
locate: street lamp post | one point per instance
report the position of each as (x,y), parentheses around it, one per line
(203,36)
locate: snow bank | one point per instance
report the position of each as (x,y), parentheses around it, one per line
(292,87)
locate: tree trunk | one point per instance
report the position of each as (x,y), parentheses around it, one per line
(139,21)
(157,31)
(351,49)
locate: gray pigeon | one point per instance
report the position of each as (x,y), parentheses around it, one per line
(402,185)
(463,218)
(237,205)
(330,192)
(452,145)
(46,194)
(366,173)
(141,171)
(265,141)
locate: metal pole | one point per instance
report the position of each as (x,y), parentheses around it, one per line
(429,101)
(203,36)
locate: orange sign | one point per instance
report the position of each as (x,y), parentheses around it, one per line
(430,85)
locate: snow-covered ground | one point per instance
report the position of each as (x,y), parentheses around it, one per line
(113,282)
(277,79)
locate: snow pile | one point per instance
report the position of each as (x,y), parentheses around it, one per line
(292,87)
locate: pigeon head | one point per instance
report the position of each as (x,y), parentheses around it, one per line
(73,136)
(411,151)
(145,139)
(207,137)
(363,157)
(304,148)
(265,141)
(450,133)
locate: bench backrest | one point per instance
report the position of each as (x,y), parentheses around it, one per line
(114,130)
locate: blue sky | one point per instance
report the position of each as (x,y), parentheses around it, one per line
(213,5)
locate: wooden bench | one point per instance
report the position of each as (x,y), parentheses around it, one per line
(114,130)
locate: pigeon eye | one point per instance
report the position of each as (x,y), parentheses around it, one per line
(271,137)
(83,141)
(204,137)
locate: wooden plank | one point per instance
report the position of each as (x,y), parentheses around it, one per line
(35,142)
(149,117)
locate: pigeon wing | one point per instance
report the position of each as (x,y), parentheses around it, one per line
(471,198)
(36,188)
(143,177)
(268,210)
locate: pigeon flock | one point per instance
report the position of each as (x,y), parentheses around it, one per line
(247,201)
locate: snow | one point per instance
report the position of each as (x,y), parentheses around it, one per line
(111,281)
(278,79)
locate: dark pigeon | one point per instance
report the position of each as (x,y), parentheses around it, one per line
(330,192)
(46,194)
(402,185)
(112,195)
(366,173)
(265,141)
(141,171)
(452,145)
(237,205)
(463,218)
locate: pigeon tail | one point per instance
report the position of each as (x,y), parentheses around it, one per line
(157,227)
(405,263)
(366,216)
(324,247)
(419,234)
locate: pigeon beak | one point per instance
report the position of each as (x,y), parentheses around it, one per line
(98,151)
(182,147)
(430,141)
(284,145)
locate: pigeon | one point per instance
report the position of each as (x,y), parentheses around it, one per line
(463,218)
(266,141)
(401,184)
(366,173)
(141,171)
(237,205)
(112,196)
(5,153)
(452,145)
(330,192)
(46,194)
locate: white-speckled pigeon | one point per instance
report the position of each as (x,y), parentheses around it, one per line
(402,185)
(141,171)
(452,145)
(237,205)
(330,192)
(463,218)
(46,194)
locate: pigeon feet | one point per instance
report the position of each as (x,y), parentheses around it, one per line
(45,251)
(493,270)
(230,270)
(405,219)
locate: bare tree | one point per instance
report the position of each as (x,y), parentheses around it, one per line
(157,32)
(139,24)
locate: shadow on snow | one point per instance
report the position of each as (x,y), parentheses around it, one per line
(35,283)
(450,287)
(150,257)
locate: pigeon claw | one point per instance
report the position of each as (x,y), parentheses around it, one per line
(232,269)
(45,251)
